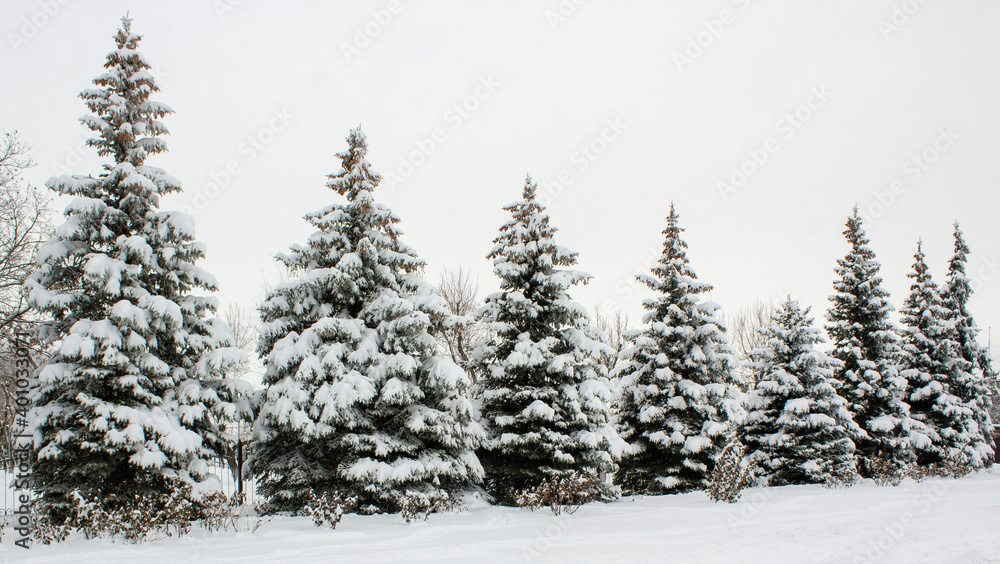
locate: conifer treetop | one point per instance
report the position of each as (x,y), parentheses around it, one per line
(924,295)
(790,333)
(958,285)
(127,127)
(789,361)
(355,180)
(863,336)
(672,276)
(859,290)
(124,117)
(533,295)
(956,294)
(526,245)
(924,319)
(371,227)
(114,222)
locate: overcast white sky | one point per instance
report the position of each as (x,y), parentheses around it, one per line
(668,96)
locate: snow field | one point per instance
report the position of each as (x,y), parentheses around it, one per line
(940,521)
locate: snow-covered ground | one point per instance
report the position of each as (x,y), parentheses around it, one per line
(935,521)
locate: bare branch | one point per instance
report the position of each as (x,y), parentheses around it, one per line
(746,334)
(24,225)
(614,328)
(246,330)
(461,294)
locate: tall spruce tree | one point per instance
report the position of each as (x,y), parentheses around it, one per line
(356,403)
(544,393)
(132,399)
(866,343)
(972,387)
(933,367)
(798,430)
(678,394)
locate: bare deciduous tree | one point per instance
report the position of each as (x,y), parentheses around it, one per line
(746,334)
(461,293)
(246,330)
(24,225)
(614,328)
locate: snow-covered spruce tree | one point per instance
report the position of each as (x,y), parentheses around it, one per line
(355,402)
(866,343)
(130,402)
(544,394)
(933,365)
(797,429)
(679,393)
(973,387)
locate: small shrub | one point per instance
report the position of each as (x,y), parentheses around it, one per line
(131,519)
(45,531)
(418,505)
(565,493)
(885,472)
(329,508)
(944,469)
(840,480)
(216,512)
(220,513)
(135,519)
(731,474)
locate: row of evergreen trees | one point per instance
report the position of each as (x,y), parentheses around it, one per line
(356,403)
(884,399)
(920,391)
